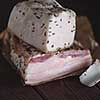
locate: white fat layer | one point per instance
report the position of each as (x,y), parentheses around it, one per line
(47,30)
(52,62)
(54,70)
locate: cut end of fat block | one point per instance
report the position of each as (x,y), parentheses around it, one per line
(47,29)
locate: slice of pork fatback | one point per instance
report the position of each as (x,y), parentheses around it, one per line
(46,68)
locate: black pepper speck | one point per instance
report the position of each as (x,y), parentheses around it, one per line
(35,50)
(95,82)
(73,26)
(65,44)
(49,35)
(43,43)
(20,35)
(49,27)
(33,24)
(61,19)
(53,33)
(23,13)
(55,21)
(72,30)
(49,14)
(35,13)
(50,20)
(85,74)
(20,11)
(68,21)
(47,41)
(33,27)
(42,25)
(52,46)
(57,25)
(38,17)
(50,31)
(45,33)
(45,27)
(37,8)
(19,56)
(68,43)
(33,30)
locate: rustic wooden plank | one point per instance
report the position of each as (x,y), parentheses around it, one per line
(11,87)
(82,92)
(19,93)
(55,90)
(98,85)
(4,63)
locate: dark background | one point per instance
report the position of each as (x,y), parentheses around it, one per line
(11,87)
(89,8)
